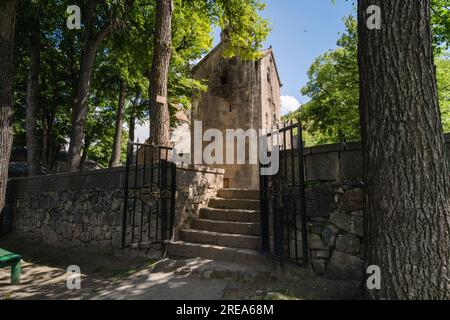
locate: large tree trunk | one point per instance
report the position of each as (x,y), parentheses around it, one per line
(115,156)
(407,200)
(80,108)
(159,108)
(7,31)
(33,154)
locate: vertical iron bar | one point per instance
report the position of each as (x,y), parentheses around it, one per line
(150,209)
(263,186)
(294,187)
(125,203)
(302,195)
(172,200)
(144,167)
(285,205)
(158,212)
(163,199)
(136,168)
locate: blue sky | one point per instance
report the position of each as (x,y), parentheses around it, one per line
(301,31)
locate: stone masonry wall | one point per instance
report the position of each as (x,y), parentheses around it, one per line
(241,95)
(334,201)
(84,210)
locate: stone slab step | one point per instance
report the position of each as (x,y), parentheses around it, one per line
(221,239)
(243,204)
(234,215)
(205,268)
(219,253)
(245,228)
(238,194)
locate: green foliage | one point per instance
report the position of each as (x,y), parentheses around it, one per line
(440,20)
(443,77)
(244,27)
(125,55)
(332,114)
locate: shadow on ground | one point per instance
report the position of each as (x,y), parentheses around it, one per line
(109,277)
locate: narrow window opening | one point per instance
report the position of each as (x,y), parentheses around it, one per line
(224,79)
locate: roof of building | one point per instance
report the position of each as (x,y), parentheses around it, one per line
(264,52)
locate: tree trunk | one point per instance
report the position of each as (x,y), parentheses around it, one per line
(132,126)
(84,157)
(7,31)
(115,156)
(159,108)
(407,200)
(80,108)
(33,154)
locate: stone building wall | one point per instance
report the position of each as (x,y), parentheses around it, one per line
(240,94)
(84,210)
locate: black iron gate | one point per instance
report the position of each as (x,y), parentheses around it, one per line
(283,210)
(149,202)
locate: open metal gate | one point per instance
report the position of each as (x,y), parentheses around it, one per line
(149,202)
(283,210)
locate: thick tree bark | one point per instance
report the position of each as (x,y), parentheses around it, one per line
(33,153)
(159,108)
(115,156)
(80,108)
(7,31)
(407,200)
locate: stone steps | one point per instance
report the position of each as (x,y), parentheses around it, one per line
(245,228)
(242,204)
(221,239)
(220,253)
(233,215)
(238,194)
(213,269)
(227,230)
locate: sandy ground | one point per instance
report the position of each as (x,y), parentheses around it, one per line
(44,276)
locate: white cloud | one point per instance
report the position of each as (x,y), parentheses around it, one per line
(142,132)
(289,104)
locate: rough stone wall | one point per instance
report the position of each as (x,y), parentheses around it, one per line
(238,95)
(333,193)
(334,200)
(84,210)
(270,92)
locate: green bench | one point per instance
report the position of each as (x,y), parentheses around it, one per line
(9,259)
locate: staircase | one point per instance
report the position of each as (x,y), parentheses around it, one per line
(227,230)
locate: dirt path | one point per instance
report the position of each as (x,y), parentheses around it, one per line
(105,277)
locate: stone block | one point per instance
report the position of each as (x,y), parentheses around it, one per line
(84,237)
(348,223)
(352,200)
(319,266)
(315,242)
(324,254)
(329,234)
(322,167)
(348,243)
(343,266)
(351,164)
(319,200)
(117,240)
